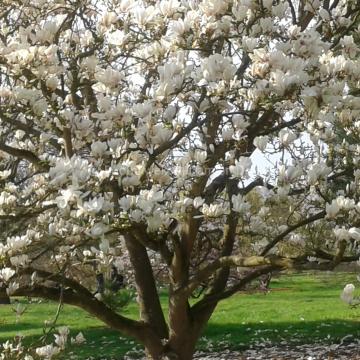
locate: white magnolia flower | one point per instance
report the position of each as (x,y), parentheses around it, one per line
(212,210)
(161,135)
(213,7)
(216,67)
(63,331)
(349,46)
(171,78)
(7,199)
(355,233)
(332,209)
(6,274)
(61,338)
(11,288)
(168,7)
(239,122)
(198,201)
(16,243)
(169,112)
(136,215)
(239,204)
(5,174)
(347,294)
(286,137)
(69,195)
(178,28)
(48,351)
(20,260)
(127,202)
(52,83)
(109,77)
(261,142)
(200,156)
(98,148)
(317,172)
(297,239)
(227,134)
(341,234)
(117,37)
(98,230)
(155,221)
(79,339)
(241,167)
(94,205)
(345,203)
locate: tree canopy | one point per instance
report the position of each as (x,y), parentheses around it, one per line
(128,132)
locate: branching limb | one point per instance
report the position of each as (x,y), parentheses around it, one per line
(291,228)
(26,155)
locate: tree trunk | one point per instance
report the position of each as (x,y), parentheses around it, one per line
(4,298)
(181,348)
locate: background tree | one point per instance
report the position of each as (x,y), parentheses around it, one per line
(131,126)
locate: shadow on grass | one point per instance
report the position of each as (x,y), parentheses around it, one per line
(19,327)
(103,343)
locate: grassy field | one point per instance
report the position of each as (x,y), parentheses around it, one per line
(299,309)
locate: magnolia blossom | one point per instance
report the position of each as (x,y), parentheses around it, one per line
(98,148)
(52,83)
(11,288)
(198,202)
(213,7)
(288,173)
(241,167)
(341,234)
(17,243)
(19,260)
(332,209)
(216,67)
(79,339)
(261,142)
(98,230)
(349,46)
(61,337)
(69,195)
(161,135)
(6,274)
(48,351)
(354,233)
(94,205)
(347,294)
(109,77)
(286,137)
(239,204)
(317,172)
(212,210)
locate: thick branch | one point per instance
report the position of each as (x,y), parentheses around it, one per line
(68,143)
(98,309)
(291,228)
(215,298)
(265,265)
(150,307)
(26,155)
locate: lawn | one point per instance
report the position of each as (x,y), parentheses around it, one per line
(301,308)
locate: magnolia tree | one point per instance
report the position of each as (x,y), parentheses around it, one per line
(129,133)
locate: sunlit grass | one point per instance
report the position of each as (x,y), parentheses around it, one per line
(301,308)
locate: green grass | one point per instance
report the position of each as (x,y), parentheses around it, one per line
(299,309)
